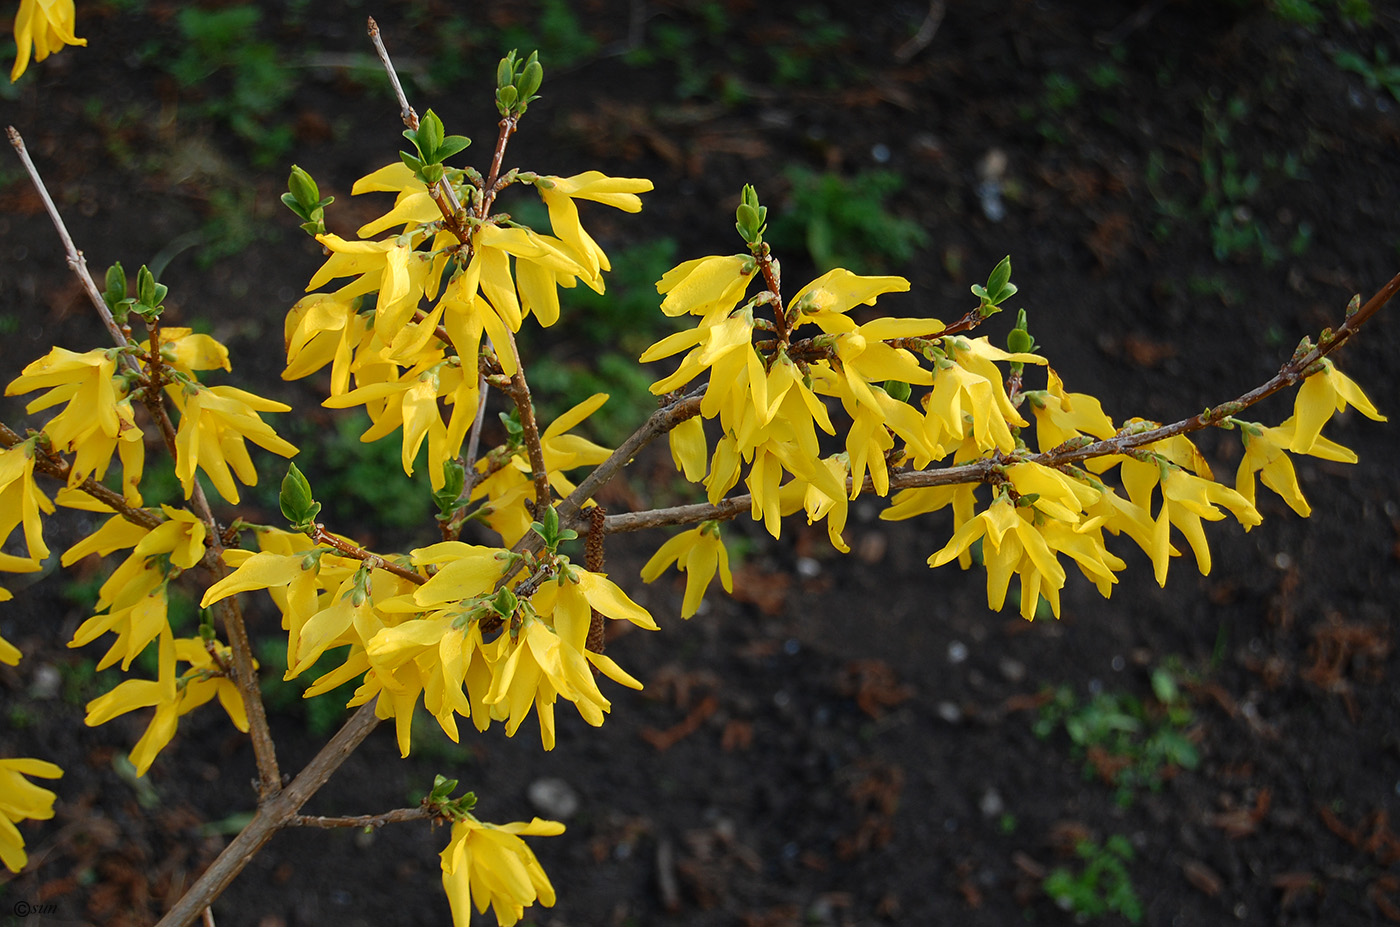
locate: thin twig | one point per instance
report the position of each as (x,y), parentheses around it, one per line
(530,431)
(406,112)
(363,821)
(375,561)
(76,262)
(53,464)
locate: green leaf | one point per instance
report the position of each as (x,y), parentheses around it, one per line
(450,146)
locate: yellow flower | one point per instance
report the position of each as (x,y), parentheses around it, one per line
(205,680)
(215,421)
(44,26)
(22,800)
(1265,453)
(559,194)
(1010,544)
(21,500)
(161,693)
(508,488)
(135,594)
(1323,394)
(1186,499)
(698,553)
(827,299)
(490,866)
(1060,416)
(707,286)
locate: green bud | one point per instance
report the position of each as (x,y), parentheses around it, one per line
(116,286)
(454,479)
(1019,340)
(506,97)
(149,294)
(296,502)
(750,216)
(898,390)
(430,135)
(303,188)
(530,78)
(505,71)
(505,603)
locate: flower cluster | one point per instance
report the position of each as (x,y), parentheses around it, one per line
(915,395)
(483,633)
(415,356)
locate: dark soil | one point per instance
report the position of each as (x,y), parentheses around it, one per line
(849,740)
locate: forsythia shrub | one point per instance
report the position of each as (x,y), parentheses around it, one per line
(416,319)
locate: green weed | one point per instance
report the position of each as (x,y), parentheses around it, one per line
(222,41)
(558,35)
(846,222)
(1380,73)
(1103,886)
(1122,740)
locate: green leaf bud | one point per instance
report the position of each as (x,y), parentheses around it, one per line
(530,78)
(898,390)
(303,188)
(295,499)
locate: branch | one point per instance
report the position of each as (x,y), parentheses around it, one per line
(274,812)
(53,464)
(375,561)
(365,821)
(76,262)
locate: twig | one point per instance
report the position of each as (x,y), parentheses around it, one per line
(397,816)
(54,465)
(375,561)
(76,262)
(927,30)
(406,112)
(530,431)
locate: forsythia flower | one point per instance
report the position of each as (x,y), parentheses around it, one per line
(44,26)
(21,500)
(697,553)
(490,866)
(1265,453)
(171,695)
(21,800)
(98,419)
(215,422)
(1321,396)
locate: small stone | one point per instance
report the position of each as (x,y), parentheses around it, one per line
(950,712)
(553,798)
(1011,670)
(957,652)
(991,804)
(47,682)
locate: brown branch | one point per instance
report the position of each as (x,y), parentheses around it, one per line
(274,812)
(519,393)
(397,816)
(656,425)
(375,561)
(51,463)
